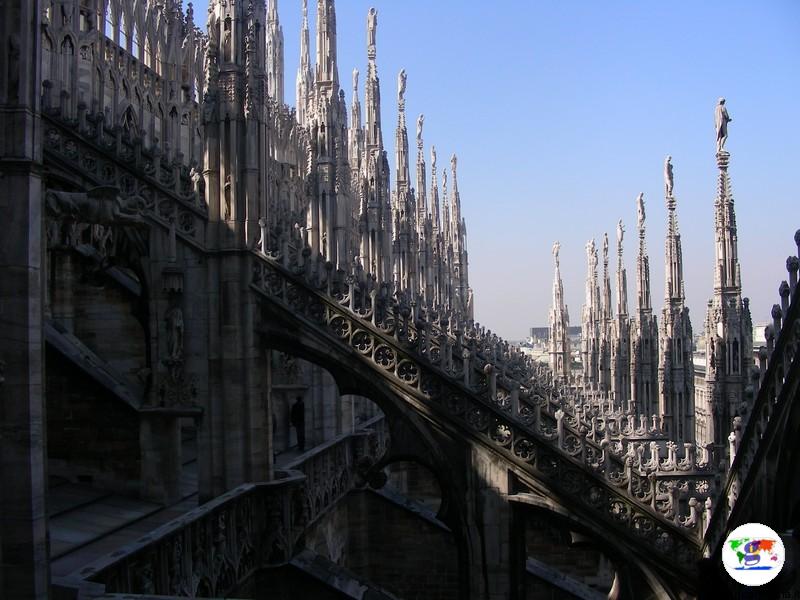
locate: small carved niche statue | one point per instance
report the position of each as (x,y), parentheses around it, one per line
(174,319)
(227,193)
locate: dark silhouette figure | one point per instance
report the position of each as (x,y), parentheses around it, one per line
(298,420)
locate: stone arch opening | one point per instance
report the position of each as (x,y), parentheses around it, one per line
(560,553)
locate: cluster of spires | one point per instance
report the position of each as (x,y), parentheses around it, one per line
(630,364)
(349,215)
(398,236)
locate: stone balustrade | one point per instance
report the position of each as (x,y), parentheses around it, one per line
(657,500)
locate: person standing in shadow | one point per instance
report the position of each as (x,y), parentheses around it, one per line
(298,420)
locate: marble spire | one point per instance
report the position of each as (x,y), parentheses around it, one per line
(642,261)
(589,323)
(673,286)
(402,176)
(435,195)
(676,366)
(304,77)
(422,207)
(356,137)
(327,73)
(274,54)
(372,91)
(622,277)
(606,307)
(728,326)
(559,324)
(644,330)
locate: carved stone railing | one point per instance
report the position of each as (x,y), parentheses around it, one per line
(553,449)
(211,550)
(332,469)
(780,370)
(164,193)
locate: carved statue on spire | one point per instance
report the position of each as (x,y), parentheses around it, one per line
(212,29)
(372,26)
(355,80)
(401,88)
(420,121)
(433,159)
(721,120)
(620,232)
(668,180)
(454,165)
(640,214)
(605,247)
(556,250)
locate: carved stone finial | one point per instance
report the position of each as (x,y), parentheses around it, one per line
(433,159)
(556,250)
(620,232)
(454,164)
(355,81)
(420,121)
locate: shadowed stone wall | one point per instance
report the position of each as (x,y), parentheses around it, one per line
(92,436)
(389,546)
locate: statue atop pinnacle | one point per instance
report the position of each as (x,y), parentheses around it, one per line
(721,120)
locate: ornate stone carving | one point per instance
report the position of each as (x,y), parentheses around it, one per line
(101,205)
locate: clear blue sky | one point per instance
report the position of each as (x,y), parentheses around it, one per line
(562,112)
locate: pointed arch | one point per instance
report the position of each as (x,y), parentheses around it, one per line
(129,123)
